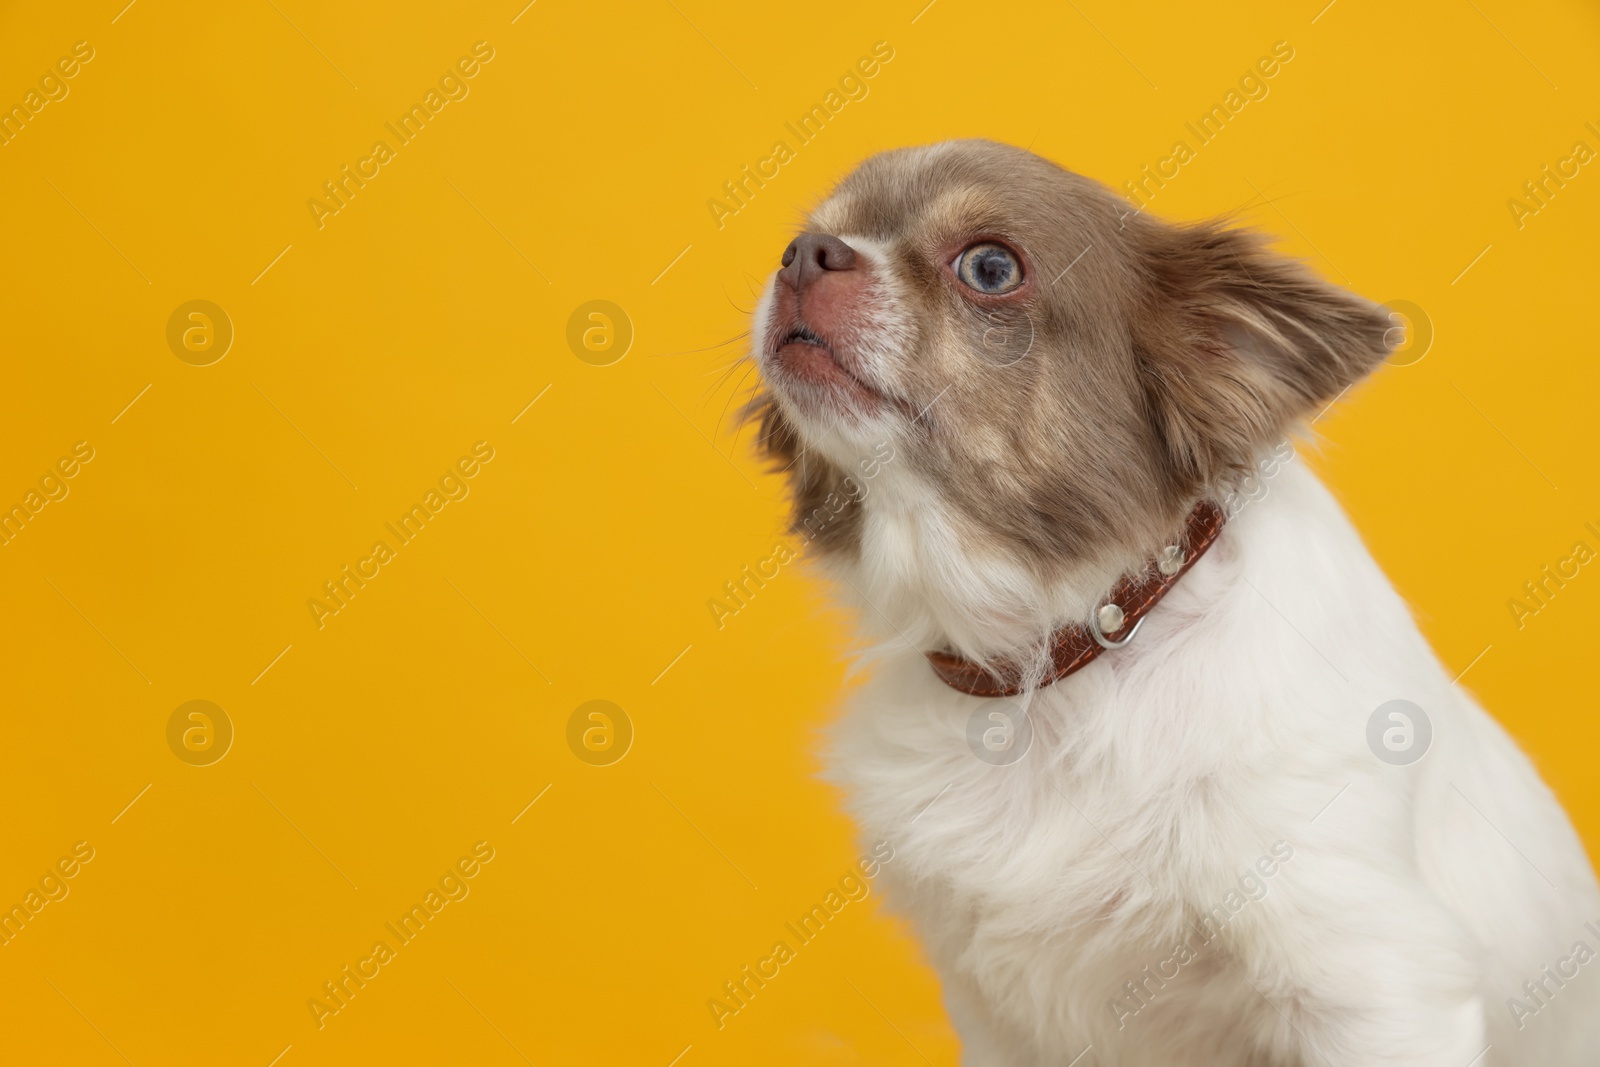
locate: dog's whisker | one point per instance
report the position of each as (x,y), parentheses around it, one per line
(734,392)
(735,339)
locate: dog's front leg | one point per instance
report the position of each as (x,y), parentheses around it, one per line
(1361,967)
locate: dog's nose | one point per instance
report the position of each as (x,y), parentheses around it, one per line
(812,254)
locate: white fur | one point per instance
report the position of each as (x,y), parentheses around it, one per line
(1417,900)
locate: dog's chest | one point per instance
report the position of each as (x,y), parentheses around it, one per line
(992,810)
(1047,873)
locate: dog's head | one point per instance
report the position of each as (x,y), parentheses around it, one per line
(1060,370)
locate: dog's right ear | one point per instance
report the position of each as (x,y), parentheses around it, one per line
(1236,342)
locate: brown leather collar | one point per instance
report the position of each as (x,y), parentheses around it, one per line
(1073,647)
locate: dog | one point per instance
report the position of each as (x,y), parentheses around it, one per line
(1170,773)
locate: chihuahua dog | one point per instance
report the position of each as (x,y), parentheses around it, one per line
(1170,773)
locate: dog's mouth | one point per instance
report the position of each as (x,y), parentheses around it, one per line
(803,334)
(808,363)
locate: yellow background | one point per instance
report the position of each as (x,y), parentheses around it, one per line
(376,350)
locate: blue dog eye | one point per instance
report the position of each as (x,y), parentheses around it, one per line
(989,268)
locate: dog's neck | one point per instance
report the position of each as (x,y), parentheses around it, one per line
(1111,626)
(925,575)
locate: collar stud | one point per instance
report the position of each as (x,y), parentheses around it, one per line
(1074,646)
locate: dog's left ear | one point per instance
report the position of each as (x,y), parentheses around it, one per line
(1237,342)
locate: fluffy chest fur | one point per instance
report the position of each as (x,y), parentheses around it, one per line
(1180,800)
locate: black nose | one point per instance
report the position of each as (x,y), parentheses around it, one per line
(810,254)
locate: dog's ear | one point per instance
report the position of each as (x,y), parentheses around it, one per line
(1236,342)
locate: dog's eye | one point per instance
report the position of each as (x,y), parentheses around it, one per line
(989,268)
